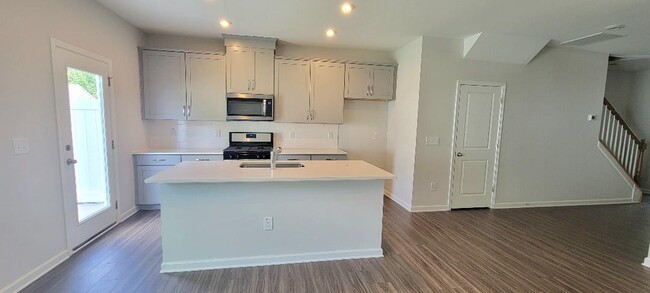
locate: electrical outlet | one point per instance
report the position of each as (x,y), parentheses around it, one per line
(330,135)
(268,223)
(172,131)
(21,146)
(374,135)
(433,186)
(432,140)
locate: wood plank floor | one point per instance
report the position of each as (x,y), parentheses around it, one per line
(567,249)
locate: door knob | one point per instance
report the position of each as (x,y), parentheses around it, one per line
(459,154)
(71,161)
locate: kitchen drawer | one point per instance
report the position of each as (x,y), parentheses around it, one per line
(282,157)
(186,158)
(329,157)
(158,160)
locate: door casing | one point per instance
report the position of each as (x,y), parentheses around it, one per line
(497,149)
(109,130)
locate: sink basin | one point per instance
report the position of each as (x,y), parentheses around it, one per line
(278,165)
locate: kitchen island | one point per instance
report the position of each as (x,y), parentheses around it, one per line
(220,215)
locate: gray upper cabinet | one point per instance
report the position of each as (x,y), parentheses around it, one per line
(250,70)
(369,82)
(206,87)
(163,76)
(309,92)
(183,86)
(292,84)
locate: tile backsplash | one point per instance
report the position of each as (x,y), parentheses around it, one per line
(203,134)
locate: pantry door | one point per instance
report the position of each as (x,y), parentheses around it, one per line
(84,108)
(479,112)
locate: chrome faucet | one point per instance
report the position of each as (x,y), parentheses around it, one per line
(274,156)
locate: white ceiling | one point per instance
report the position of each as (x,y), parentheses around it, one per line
(389,24)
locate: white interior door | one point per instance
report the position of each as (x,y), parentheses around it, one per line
(478,112)
(84,109)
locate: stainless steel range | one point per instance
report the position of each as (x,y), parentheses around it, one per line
(249,146)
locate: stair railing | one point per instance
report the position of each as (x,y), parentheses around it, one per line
(621,141)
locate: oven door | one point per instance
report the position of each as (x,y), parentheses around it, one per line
(249,107)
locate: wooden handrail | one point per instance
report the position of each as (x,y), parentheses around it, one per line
(620,119)
(631,160)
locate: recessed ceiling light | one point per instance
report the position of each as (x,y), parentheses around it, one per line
(330,33)
(225,23)
(347,8)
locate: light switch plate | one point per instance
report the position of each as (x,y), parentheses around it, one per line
(21,146)
(432,140)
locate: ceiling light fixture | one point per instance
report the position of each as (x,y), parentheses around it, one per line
(225,23)
(330,33)
(615,27)
(347,8)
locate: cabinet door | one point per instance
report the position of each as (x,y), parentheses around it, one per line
(238,72)
(327,80)
(262,70)
(163,76)
(291,91)
(206,87)
(383,80)
(357,81)
(148,194)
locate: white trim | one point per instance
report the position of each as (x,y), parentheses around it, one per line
(33,275)
(399,201)
(497,149)
(429,208)
(647,262)
(264,260)
(561,203)
(128,214)
(636,191)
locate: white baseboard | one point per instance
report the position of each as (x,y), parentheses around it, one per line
(647,262)
(36,273)
(560,203)
(237,262)
(430,208)
(399,201)
(128,214)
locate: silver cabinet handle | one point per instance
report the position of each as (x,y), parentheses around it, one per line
(184,111)
(70,162)
(372,90)
(254,85)
(367,90)
(189,110)
(203,160)
(159,160)
(459,154)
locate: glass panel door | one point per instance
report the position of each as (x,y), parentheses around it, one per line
(86,97)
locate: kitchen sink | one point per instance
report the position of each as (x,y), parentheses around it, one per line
(268,165)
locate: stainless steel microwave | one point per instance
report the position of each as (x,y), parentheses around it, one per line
(249,107)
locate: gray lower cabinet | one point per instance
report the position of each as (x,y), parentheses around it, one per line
(148,195)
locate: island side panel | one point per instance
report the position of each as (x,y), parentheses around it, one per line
(220,225)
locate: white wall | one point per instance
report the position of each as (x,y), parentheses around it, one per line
(549,150)
(619,90)
(402,123)
(32,222)
(638,112)
(362,120)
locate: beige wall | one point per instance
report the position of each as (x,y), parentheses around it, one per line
(619,90)
(549,150)
(402,123)
(32,221)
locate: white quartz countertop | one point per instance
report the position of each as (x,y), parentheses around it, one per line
(181,151)
(229,171)
(219,151)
